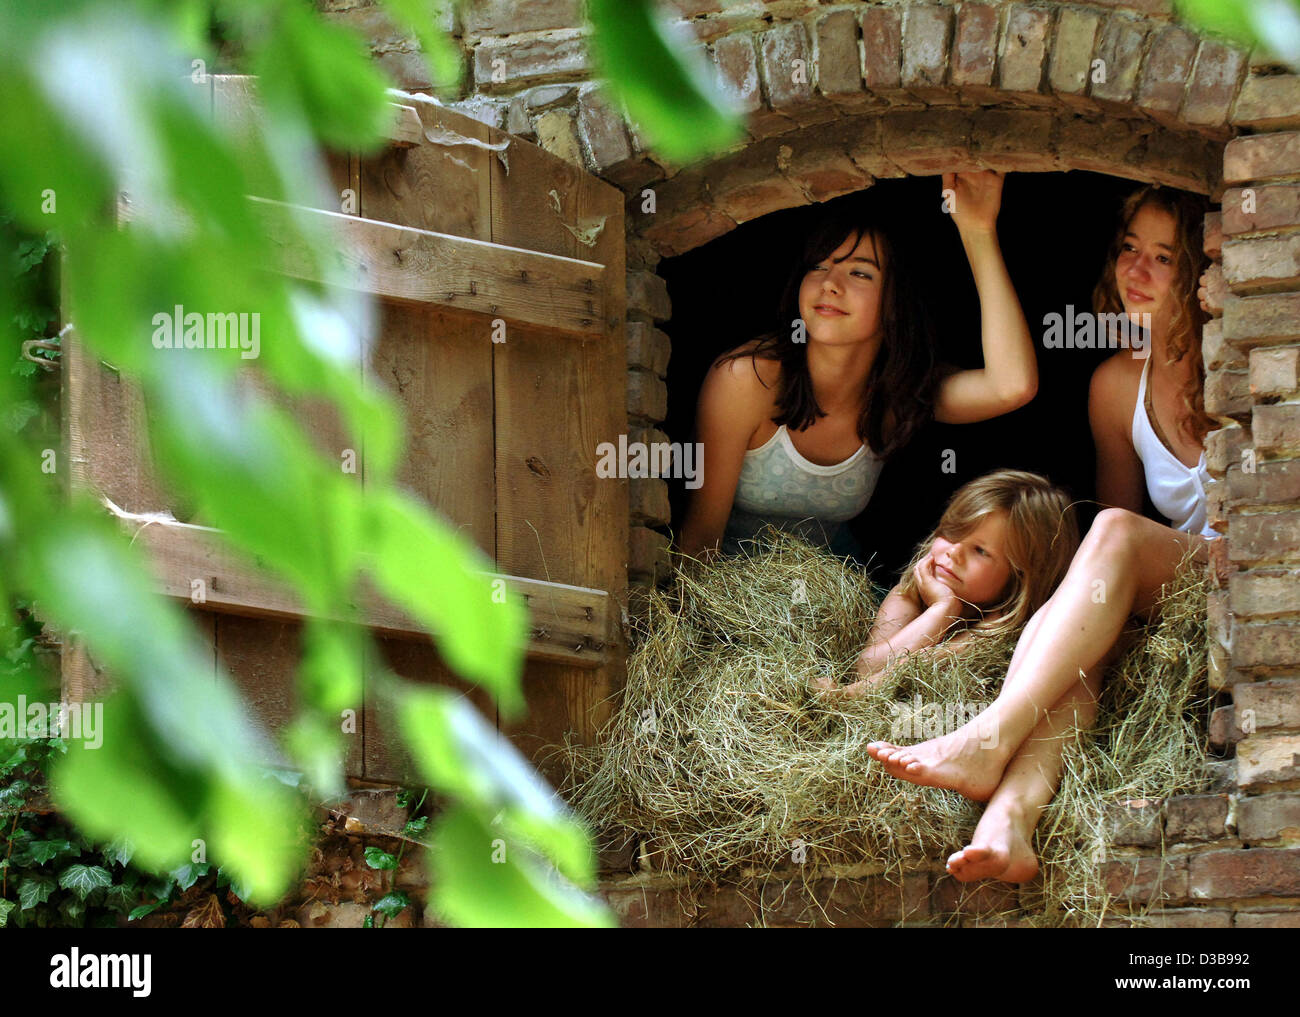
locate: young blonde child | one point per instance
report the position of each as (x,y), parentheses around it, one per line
(1003,543)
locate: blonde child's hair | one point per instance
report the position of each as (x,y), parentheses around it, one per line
(1042,536)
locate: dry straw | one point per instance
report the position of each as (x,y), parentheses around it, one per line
(726,764)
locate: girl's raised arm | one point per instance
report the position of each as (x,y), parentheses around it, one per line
(1009,377)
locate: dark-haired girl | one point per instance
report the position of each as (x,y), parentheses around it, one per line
(797,425)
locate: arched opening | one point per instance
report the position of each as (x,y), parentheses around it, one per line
(1054,229)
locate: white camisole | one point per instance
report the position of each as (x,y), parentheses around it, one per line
(1177,490)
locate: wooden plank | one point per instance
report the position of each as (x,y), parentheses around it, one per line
(569,622)
(422,267)
(405,131)
(438,365)
(444,188)
(555,519)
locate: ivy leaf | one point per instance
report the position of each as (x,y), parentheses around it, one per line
(391,904)
(378,858)
(143,909)
(84,879)
(188,874)
(72,909)
(5,907)
(44,850)
(35,890)
(415,827)
(119,851)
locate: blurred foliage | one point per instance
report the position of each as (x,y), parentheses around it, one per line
(1272,25)
(110,98)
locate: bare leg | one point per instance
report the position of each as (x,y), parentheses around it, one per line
(1119,570)
(1002,845)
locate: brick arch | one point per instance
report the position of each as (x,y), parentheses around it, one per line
(837,99)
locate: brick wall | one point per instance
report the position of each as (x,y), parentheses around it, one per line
(899,88)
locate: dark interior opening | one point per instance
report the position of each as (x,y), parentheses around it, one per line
(1055,229)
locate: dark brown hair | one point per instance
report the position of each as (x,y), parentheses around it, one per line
(1184,340)
(898,395)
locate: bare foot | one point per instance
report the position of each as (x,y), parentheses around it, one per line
(963,761)
(999,850)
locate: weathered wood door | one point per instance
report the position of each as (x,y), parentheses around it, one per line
(499,270)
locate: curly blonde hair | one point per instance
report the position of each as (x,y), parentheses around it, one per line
(1184,340)
(1042,536)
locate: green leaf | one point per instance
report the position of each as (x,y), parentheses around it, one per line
(392,903)
(667,88)
(84,879)
(5,907)
(378,858)
(479,633)
(35,890)
(43,850)
(483,882)
(189,874)
(415,827)
(144,909)
(462,755)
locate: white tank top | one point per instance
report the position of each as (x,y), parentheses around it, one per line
(1177,491)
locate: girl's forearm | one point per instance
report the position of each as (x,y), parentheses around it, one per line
(927,629)
(1008,348)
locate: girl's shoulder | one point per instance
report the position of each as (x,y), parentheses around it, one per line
(747,371)
(1114,386)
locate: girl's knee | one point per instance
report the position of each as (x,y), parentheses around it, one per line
(1115,529)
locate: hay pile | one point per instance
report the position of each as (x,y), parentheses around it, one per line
(727,763)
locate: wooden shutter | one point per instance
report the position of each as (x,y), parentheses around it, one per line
(501,436)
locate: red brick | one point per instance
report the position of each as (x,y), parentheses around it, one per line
(1165,71)
(1121,49)
(1213,84)
(647,294)
(647,396)
(949,897)
(1227,393)
(1212,235)
(648,501)
(1216,290)
(1270,483)
(1275,206)
(1146,880)
(1195,817)
(1274,370)
(824,171)
(737,71)
(1267,318)
(839,64)
(1072,45)
(1261,157)
(1262,263)
(781,54)
(930,142)
(506,17)
(1264,760)
(529,60)
(1216,352)
(1268,103)
(1267,920)
(1264,593)
(1265,537)
(602,130)
(1273,703)
(1024,46)
(1269,817)
(1158,7)
(926,32)
(647,554)
(974,45)
(1018,141)
(648,348)
(1133,823)
(1258,872)
(1223,448)
(1265,644)
(1276,428)
(1182,918)
(1223,728)
(882,48)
